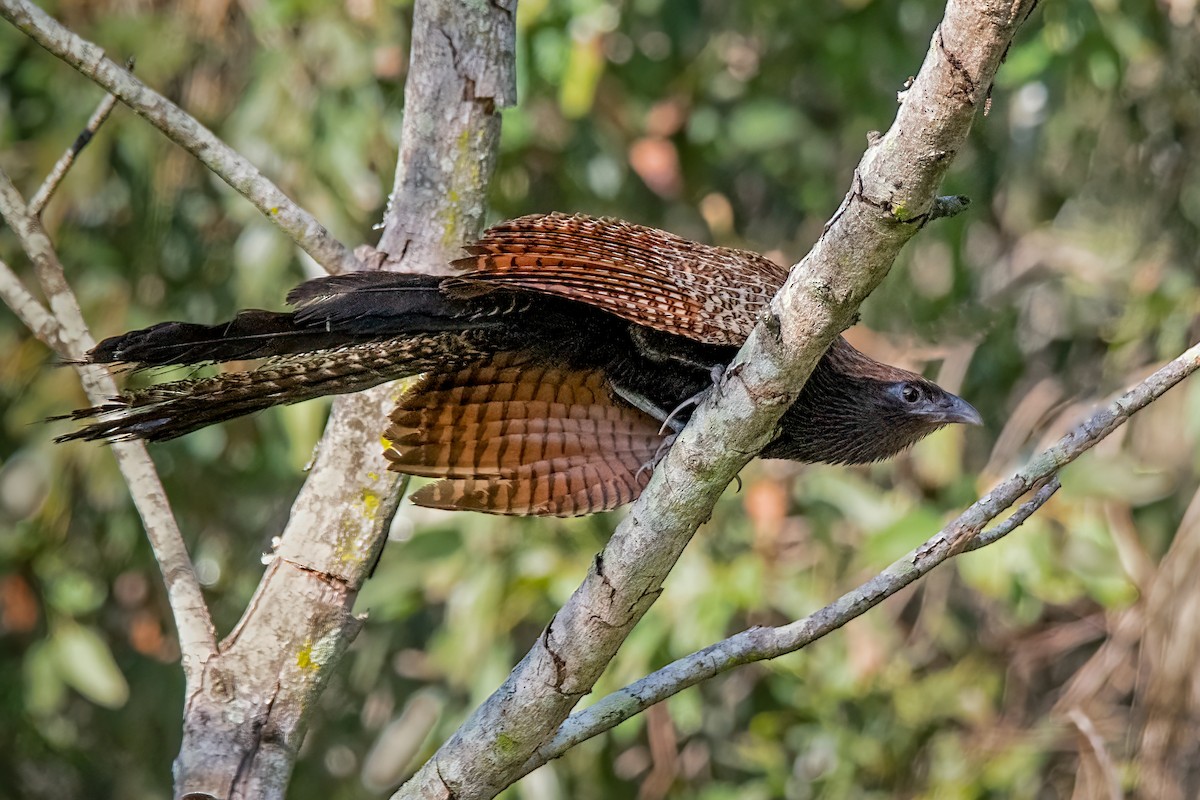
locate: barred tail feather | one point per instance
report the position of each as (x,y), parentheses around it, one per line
(348,333)
(169,410)
(507,435)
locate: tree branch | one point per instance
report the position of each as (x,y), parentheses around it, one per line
(427,190)
(29,310)
(891,194)
(183,129)
(42,196)
(964,534)
(1018,517)
(243,743)
(63,328)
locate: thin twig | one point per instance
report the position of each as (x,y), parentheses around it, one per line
(1018,517)
(1112,779)
(758,644)
(197,636)
(950,205)
(48,187)
(184,130)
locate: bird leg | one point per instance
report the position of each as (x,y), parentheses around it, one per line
(668,420)
(648,406)
(715,372)
(640,402)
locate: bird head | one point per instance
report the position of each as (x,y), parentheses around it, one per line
(855,410)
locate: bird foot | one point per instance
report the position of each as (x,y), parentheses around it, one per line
(716,373)
(659,455)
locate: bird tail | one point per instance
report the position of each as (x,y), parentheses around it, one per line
(331,312)
(348,333)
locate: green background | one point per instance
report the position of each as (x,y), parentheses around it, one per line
(734,123)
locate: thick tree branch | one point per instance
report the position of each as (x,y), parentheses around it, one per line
(184,130)
(243,742)
(63,329)
(891,194)
(428,190)
(964,534)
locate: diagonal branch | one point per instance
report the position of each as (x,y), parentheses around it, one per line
(1018,518)
(29,310)
(63,328)
(964,534)
(890,198)
(184,130)
(42,196)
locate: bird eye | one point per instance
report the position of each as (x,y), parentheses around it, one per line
(911,393)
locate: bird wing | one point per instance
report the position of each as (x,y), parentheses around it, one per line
(647,276)
(510,436)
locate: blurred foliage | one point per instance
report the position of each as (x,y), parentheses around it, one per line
(737,123)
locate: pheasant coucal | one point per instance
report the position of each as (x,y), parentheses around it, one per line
(550,365)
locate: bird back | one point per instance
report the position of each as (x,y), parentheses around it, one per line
(646,276)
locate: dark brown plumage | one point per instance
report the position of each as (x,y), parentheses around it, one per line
(550,365)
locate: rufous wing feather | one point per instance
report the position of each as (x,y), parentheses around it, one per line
(509,436)
(647,276)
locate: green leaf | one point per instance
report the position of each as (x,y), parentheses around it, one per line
(86,664)
(888,544)
(44,689)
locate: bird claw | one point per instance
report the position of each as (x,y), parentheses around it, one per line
(659,455)
(717,372)
(691,401)
(649,466)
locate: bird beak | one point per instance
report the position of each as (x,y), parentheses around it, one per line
(958,410)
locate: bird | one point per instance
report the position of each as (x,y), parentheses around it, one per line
(555,366)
